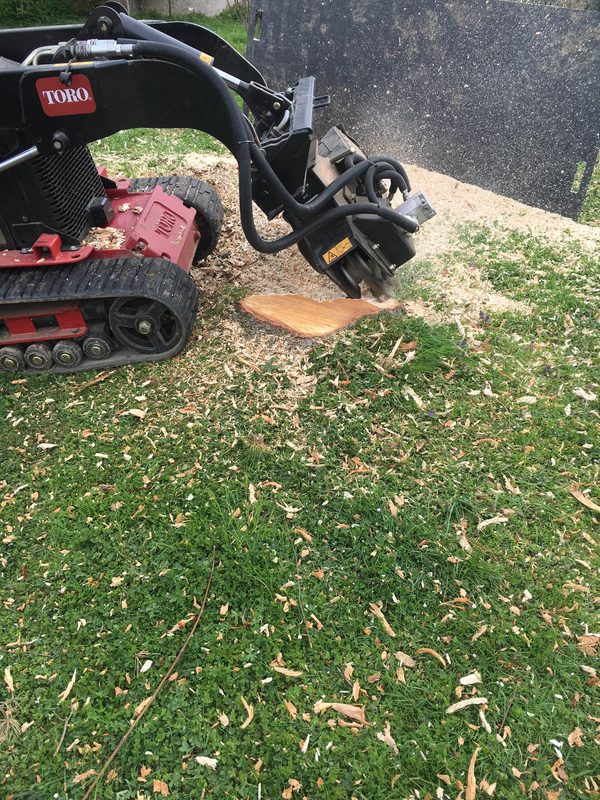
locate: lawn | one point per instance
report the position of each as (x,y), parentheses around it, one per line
(383,526)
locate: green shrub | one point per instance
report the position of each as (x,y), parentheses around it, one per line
(21,13)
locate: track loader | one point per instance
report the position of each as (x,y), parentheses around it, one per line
(95,270)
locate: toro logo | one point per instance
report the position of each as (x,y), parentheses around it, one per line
(59,100)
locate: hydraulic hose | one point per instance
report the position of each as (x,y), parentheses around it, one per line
(378,171)
(395,164)
(303,210)
(246,148)
(334,215)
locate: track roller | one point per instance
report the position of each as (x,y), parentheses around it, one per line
(67,353)
(11,359)
(97,347)
(38,356)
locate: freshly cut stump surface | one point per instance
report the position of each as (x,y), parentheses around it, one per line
(311,318)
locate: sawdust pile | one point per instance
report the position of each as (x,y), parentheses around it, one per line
(461,291)
(236,262)
(254,345)
(465,293)
(463,204)
(105,238)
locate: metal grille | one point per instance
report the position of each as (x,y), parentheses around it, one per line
(68,183)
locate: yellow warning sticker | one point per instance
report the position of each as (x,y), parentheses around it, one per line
(338,251)
(207,59)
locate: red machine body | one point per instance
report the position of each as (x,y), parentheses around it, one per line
(152,224)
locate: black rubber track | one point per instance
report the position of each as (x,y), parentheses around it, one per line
(196,194)
(108,278)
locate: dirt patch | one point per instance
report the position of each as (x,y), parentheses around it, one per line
(463,292)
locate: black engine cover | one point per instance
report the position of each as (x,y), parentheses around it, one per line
(49,193)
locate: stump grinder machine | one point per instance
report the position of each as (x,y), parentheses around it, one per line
(74,296)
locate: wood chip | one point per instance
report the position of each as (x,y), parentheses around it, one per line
(291,708)
(205,761)
(582,498)
(484,723)
(380,615)
(493,521)
(589,397)
(479,633)
(471,701)
(304,534)
(471,679)
(289,673)
(160,787)
(249,711)
(8,680)
(471,780)
(405,659)
(427,651)
(356,713)
(63,695)
(83,776)
(102,376)
(140,413)
(386,737)
(588,643)
(574,738)
(141,707)
(408,391)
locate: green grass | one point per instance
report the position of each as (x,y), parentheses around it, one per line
(590,213)
(145,501)
(21,13)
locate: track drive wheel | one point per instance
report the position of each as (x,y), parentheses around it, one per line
(147,326)
(196,194)
(11,359)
